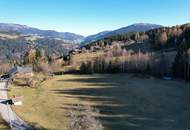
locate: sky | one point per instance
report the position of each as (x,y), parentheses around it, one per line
(87,17)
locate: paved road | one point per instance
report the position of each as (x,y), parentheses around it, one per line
(8,115)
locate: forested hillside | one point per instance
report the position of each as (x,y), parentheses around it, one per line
(161,38)
(139,27)
(14,46)
(161,52)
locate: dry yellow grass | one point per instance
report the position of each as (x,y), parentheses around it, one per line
(44,106)
(125,101)
(5,36)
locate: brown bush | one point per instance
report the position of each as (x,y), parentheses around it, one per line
(84,119)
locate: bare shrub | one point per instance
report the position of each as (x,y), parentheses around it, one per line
(41,67)
(29,82)
(84,119)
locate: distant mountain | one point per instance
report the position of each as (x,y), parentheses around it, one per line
(13,45)
(26,30)
(139,27)
(94,37)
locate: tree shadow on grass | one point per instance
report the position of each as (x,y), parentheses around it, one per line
(130,103)
(36,126)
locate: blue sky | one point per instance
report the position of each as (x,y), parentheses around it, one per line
(91,16)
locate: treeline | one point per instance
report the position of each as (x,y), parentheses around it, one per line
(40,60)
(120,60)
(34,56)
(181,66)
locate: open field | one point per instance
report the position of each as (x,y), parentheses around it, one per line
(124,101)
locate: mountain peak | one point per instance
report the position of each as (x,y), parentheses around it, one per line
(144,24)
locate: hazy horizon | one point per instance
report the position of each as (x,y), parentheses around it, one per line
(84,18)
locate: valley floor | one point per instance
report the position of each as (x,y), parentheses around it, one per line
(124,101)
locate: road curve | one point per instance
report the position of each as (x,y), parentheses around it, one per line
(8,115)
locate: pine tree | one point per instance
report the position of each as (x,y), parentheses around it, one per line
(83,68)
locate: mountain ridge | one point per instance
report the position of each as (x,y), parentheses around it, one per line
(27,30)
(137,27)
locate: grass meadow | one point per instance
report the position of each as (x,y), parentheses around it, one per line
(124,101)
